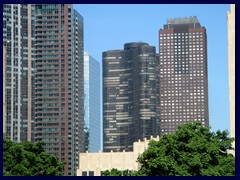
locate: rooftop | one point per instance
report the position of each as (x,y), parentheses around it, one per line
(186,20)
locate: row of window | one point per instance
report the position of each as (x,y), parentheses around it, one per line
(182,96)
(197,74)
(87,173)
(172,123)
(181,42)
(193,53)
(188,94)
(180,45)
(172,56)
(182,34)
(181,106)
(187,90)
(179,70)
(181,117)
(173,103)
(166,110)
(198,66)
(180,61)
(175,75)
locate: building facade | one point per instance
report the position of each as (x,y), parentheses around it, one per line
(183,74)
(92,126)
(231,68)
(129,96)
(59,82)
(18,71)
(92,164)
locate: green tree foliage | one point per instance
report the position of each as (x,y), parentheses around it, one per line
(116,172)
(29,159)
(192,151)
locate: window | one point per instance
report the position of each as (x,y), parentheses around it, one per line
(91,173)
(84,173)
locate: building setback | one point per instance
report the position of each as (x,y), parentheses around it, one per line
(183,74)
(59,82)
(129,96)
(18,71)
(92,126)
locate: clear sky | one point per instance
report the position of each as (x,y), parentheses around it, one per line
(108,27)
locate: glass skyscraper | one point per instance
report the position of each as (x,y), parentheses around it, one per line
(92,126)
(129,96)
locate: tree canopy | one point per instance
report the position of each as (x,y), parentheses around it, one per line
(29,159)
(192,151)
(116,172)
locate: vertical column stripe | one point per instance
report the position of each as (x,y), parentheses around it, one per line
(19,74)
(29,72)
(12,69)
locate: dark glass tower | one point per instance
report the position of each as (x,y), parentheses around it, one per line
(183,73)
(59,82)
(129,96)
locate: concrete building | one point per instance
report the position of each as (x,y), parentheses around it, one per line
(92,126)
(91,164)
(129,96)
(231,68)
(59,82)
(18,71)
(183,73)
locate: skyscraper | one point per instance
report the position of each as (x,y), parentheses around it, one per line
(231,68)
(129,96)
(18,72)
(92,126)
(183,73)
(59,82)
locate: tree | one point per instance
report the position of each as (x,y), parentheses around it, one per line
(192,151)
(116,172)
(29,159)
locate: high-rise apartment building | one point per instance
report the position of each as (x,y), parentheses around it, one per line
(92,126)
(18,71)
(59,82)
(183,73)
(231,68)
(129,96)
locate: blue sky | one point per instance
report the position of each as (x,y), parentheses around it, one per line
(108,27)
